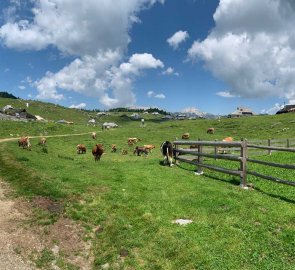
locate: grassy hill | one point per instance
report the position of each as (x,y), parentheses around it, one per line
(134,200)
(48,111)
(255,127)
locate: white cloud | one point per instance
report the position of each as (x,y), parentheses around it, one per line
(21,87)
(225,94)
(98,77)
(78,106)
(138,62)
(170,71)
(177,38)
(160,96)
(152,94)
(96,32)
(74,26)
(252,47)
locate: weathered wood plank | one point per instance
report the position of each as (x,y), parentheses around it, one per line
(272,148)
(218,156)
(208,143)
(274,179)
(214,168)
(285,166)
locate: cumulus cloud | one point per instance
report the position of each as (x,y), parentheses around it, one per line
(152,94)
(78,106)
(177,38)
(74,26)
(96,32)
(21,87)
(160,96)
(98,77)
(225,94)
(252,47)
(170,71)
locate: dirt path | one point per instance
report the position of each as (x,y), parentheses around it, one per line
(10,230)
(47,136)
(18,241)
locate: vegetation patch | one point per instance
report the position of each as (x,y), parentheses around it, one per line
(126,204)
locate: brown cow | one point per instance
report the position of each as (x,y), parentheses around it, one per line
(149,147)
(223,150)
(211,130)
(185,136)
(193,146)
(24,142)
(114,148)
(97,151)
(133,140)
(140,150)
(42,141)
(93,135)
(81,149)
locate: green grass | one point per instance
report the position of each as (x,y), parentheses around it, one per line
(135,199)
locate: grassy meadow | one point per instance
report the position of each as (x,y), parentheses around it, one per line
(136,199)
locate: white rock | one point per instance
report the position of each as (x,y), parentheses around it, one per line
(182,221)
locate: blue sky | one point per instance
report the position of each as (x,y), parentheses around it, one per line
(211,55)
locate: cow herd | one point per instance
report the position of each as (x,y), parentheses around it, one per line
(98,149)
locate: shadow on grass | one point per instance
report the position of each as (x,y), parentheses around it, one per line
(236,182)
(280,197)
(164,164)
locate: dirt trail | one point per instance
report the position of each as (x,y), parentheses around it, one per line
(10,229)
(17,241)
(47,136)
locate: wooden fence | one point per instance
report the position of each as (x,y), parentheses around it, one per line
(224,150)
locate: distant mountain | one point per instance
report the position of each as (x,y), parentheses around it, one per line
(194,112)
(193,115)
(7,95)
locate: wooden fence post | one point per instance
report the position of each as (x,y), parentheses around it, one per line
(288,143)
(176,154)
(200,158)
(243,164)
(268,143)
(215,150)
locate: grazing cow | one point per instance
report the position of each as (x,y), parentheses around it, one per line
(185,136)
(97,151)
(24,142)
(140,150)
(81,149)
(124,152)
(167,152)
(42,141)
(93,135)
(114,148)
(133,140)
(149,147)
(193,146)
(130,143)
(227,139)
(211,130)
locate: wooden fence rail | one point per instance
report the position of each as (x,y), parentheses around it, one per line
(197,154)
